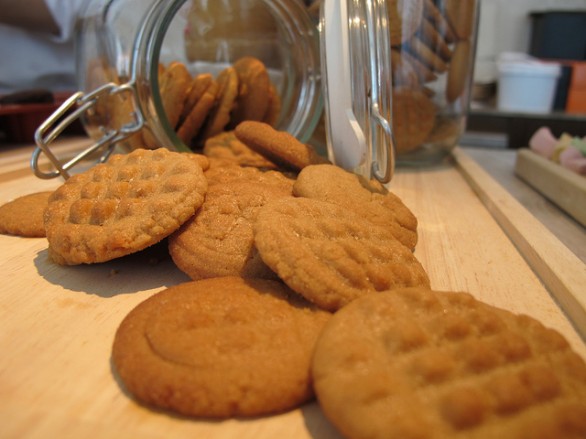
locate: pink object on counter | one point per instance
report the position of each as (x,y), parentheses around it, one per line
(543,142)
(573,159)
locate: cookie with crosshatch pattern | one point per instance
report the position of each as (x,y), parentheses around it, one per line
(415,363)
(353,192)
(122,206)
(331,255)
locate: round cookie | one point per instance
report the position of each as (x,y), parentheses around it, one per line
(252,102)
(205,98)
(404,18)
(274,108)
(331,255)
(415,363)
(458,72)
(218,348)
(226,146)
(122,206)
(413,118)
(218,240)
(352,192)
(23,216)
(277,146)
(226,98)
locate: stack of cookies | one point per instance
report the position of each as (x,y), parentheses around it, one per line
(303,276)
(198,106)
(431,59)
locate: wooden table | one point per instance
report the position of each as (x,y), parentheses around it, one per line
(57,323)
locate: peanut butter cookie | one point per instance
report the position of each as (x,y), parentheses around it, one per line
(331,255)
(23,216)
(219,348)
(122,206)
(415,363)
(226,146)
(252,102)
(218,240)
(277,146)
(205,97)
(352,192)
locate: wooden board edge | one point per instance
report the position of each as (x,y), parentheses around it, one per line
(560,270)
(558,184)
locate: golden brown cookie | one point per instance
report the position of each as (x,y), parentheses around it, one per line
(437,18)
(122,206)
(413,118)
(274,109)
(460,14)
(404,19)
(195,118)
(429,35)
(252,102)
(199,85)
(331,255)
(424,73)
(23,216)
(200,159)
(279,147)
(354,193)
(218,241)
(219,348)
(174,84)
(415,363)
(403,71)
(226,98)
(226,146)
(460,65)
(426,55)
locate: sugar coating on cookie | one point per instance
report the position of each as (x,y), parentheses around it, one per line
(415,363)
(331,255)
(222,347)
(122,206)
(218,240)
(23,216)
(336,185)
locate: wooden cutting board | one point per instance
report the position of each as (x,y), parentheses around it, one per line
(57,323)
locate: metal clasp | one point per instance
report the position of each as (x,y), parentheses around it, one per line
(69,112)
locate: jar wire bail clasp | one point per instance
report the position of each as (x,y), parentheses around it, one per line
(70,111)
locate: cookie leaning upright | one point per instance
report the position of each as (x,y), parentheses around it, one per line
(279,147)
(373,202)
(415,363)
(331,255)
(122,206)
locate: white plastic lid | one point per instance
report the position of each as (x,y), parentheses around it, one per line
(357,86)
(530,68)
(519,63)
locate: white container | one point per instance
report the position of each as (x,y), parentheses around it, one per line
(527,85)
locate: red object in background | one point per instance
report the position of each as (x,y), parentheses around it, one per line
(19,121)
(576,102)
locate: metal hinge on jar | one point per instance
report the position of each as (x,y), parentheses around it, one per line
(70,111)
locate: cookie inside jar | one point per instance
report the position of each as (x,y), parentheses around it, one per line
(199,68)
(433,43)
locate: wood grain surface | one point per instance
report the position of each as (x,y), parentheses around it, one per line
(57,323)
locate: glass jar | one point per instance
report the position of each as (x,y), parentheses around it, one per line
(125,48)
(433,49)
